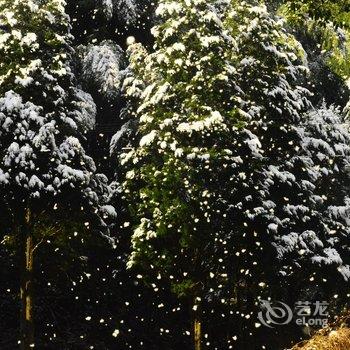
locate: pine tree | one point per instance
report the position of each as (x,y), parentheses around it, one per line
(288,215)
(186,151)
(226,178)
(102,69)
(44,169)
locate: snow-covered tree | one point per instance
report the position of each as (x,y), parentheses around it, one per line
(44,168)
(191,141)
(227,181)
(289,217)
(125,9)
(102,68)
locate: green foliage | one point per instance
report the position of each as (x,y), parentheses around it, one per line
(27,50)
(183,289)
(216,177)
(325,26)
(339,60)
(185,136)
(336,11)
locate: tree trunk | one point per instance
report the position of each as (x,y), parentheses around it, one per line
(27,255)
(197,332)
(197,325)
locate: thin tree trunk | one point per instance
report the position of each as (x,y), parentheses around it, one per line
(197,326)
(197,331)
(26,317)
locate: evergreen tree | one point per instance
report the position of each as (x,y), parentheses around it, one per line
(101,68)
(334,11)
(186,149)
(234,160)
(327,46)
(44,169)
(290,217)
(224,173)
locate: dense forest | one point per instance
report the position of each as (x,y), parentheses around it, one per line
(174,174)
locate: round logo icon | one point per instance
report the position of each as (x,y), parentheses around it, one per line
(275,314)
